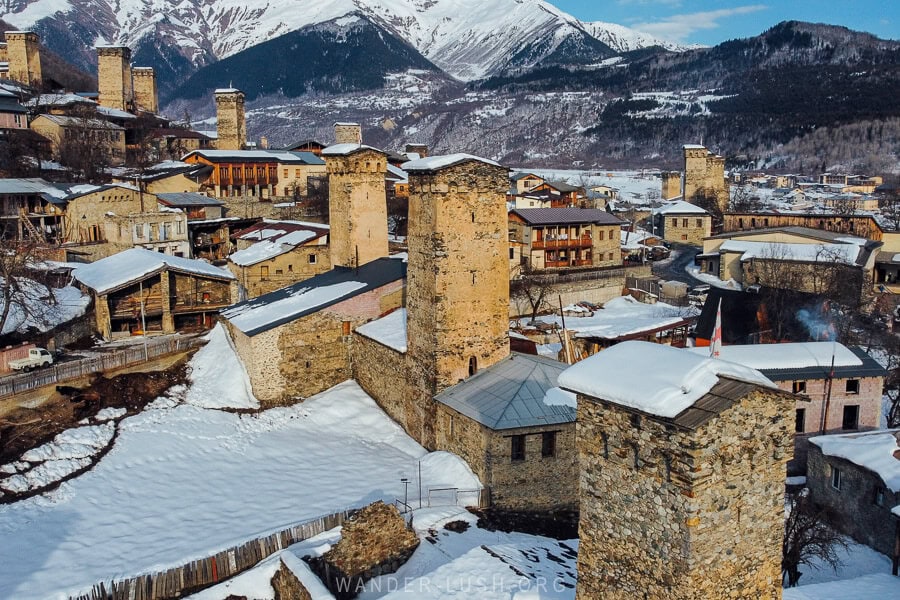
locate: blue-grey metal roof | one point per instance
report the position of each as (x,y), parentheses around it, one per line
(374,274)
(559,216)
(185,199)
(868,368)
(510,394)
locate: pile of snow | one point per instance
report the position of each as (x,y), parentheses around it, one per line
(218,375)
(559,397)
(652,378)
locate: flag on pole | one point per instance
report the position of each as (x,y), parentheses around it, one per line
(715,343)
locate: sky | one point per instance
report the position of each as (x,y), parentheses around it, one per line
(710,22)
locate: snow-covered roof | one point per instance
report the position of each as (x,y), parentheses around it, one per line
(519,391)
(389,330)
(279,156)
(113,272)
(652,378)
(345,149)
(267,249)
(829,253)
(680,207)
(66,121)
(788,356)
(874,450)
(228,90)
(624,316)
(433,163)
(306,297)
(115,113)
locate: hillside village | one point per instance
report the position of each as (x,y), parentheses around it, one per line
(358,345)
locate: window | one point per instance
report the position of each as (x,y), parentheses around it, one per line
(517,447)
(296,172)
(684,236)
(285,172)
(179,226)
(279,271)
(684,222)
(674,222)
(473,366)
(609,256)
(290,268)
(800,421)
(512,253)
(312,259)
(879,496)
(851,417)
(835,478)
(699,222)
(548,444)
(264,271)
(345,327)
(600,235)
(799,387)
(852,386)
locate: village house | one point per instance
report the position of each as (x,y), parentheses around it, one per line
(525,182)
(682,223)
(531,199)
(165,177)
(140,290)
(681,475)
(857,476)
(561,238)
(839,389)
(66,131)
(32,208)
(561,194)
(275,254)
(863,226)
(196,207)
(798,258)
(12,114)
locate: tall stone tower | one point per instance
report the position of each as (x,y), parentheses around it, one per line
(671,184)
(347,133)
(114,77)
(24,56)
(681,490)
(357,204)
(146,97)
(704,174)
(231,124)
(458,276)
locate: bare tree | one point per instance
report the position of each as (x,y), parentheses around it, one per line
(531,290)
(808,537)
(744,200)
(85,149)
(25,291)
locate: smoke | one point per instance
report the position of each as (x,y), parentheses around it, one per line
(819,328)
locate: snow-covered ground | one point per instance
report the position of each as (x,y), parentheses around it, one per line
(183,481)
(635,187)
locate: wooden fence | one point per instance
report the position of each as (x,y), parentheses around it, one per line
(60,372)
(199,574)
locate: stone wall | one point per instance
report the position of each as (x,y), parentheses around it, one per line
(863,226)
(688,228)
(671,184)
(673,513)
(299,264)
(854,504)
(384,374)
(114,77)
(231,124)
(23,55)
(704,174)
(145,92)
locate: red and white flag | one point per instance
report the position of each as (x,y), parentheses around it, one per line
(715,343)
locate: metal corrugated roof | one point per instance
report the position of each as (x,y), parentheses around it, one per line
(510,394)
(554,216)
(869,368)
(179,199)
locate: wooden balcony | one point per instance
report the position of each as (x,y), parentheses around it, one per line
(582,242)
(562,264)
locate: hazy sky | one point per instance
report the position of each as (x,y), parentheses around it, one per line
(712,21)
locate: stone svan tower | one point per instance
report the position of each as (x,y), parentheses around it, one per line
(357,204)
(681,476)
(114,77)
(231,124)
(24,57)
(671,184)
(347,133)
(704,175)
(458,275)
(146,96)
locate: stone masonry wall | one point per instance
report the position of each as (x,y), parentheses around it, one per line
(146,96)
(862,519)
(687,229)
(670,513)
(114,77)
(23,55)
(231,124)
(260,355)
(283,270)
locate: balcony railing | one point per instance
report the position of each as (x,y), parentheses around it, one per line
(558,264)
(582,242)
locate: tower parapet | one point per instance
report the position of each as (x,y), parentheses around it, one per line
(146,96)
(24,57)
(231,124)
(114,77)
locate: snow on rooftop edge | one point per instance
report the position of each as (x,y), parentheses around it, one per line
(652,378)
(799,355)
(118,269)
(389,330)
(432,163)
(347,148)
(874,451)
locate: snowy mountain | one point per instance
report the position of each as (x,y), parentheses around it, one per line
(469,39)
(624,39)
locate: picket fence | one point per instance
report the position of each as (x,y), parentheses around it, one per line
(199,574)
(131,355)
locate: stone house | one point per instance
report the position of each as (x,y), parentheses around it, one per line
(857,475)
(196,207)
(295,342)
(285,252)
(560,238)
(169,177)
(681,475)
(683,223)
(141,290)
(61,130)
(106,219)
(799,258)
(830,399)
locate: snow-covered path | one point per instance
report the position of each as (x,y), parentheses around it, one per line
(183,481)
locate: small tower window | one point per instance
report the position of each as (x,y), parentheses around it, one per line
(473,366)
